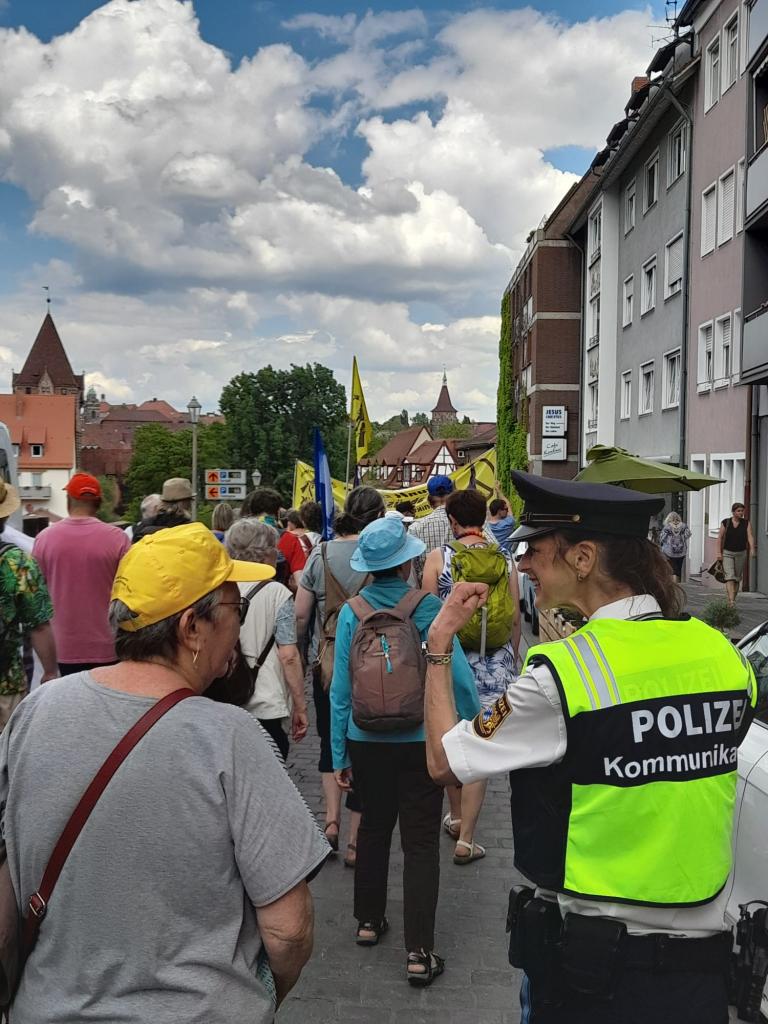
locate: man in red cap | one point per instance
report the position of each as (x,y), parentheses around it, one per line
(79,558)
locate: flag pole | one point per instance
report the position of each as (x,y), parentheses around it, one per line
(349,427)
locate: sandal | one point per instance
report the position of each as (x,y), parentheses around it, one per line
(433,965)
(349,862)
(450,826)
(333,841)
(476,852)
(376,931)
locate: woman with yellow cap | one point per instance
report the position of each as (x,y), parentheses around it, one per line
(185,896)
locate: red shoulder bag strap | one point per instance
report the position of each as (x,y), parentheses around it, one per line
(38,901)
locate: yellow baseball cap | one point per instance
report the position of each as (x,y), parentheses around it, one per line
(168,571)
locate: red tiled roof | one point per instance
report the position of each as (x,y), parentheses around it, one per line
(160,405)
(47,353)
(396,449)
(444,403)
(130,414)
(50,417)
(426,453)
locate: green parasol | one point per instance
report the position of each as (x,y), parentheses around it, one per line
(608,465)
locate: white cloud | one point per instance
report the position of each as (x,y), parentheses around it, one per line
(205,242)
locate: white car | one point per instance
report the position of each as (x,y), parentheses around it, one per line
(527,593)
(749,880)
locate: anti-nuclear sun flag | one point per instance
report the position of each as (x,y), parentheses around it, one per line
(480,474)
(358,415)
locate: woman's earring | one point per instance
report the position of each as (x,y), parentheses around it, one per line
(195,656)
(579,577)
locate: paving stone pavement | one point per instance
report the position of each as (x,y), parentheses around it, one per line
(346,982)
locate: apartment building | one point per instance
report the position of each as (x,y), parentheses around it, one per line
(544,297)
(716,429)
(754,349)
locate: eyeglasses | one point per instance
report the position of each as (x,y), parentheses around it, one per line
(243,604)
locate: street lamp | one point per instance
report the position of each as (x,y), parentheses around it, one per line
(193,408)
(256,477)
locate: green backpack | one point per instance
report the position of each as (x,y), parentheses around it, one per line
(476,564)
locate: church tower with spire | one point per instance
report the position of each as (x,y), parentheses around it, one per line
(444,412)
(47,370)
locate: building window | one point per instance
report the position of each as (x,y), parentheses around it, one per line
(730,469)
(651,176)
(705,362)
(16,450)
(592,421)
(36,451)
(676,152)
(626,394)
(629,205)
(673,267)
(736,348)
(712,73)
(708,219)
(726,195)
(646,389)
(671,380)
(595,234)
(594,321)
(740,182)
(731,54)
(629,301)
(723,351)
(37,479)
(648,291)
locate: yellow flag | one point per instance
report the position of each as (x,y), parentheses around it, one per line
(358,414)
(480,474)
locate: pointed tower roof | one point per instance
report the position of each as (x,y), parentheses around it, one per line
(444,403)
(47,355)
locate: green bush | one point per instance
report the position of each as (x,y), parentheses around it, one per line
(720,615)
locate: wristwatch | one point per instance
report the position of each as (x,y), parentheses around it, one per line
(436,659)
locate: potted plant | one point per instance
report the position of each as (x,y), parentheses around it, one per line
(720,615)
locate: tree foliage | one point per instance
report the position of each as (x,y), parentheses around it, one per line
(457,430)
(511,448)
(420,419)
(271,415)
(159,453)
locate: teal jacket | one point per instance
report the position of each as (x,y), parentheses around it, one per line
(385,594)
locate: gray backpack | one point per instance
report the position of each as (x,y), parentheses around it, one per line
(387,666)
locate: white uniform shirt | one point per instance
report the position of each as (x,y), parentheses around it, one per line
(534,735)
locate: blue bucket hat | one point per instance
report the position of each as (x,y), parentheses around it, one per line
(384,544)
(439,485)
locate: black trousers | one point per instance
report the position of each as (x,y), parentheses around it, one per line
(393,782)
(641,997)
(275,729)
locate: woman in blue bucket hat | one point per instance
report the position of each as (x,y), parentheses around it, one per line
(389,767)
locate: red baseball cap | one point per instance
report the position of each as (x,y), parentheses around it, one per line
(83,485)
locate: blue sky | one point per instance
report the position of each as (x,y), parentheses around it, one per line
(356,179)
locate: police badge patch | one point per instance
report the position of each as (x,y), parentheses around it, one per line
(488,721)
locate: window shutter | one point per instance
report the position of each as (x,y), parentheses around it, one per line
(708,221)
(726,204)
(674,265)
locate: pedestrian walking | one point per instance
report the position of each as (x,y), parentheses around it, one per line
(185,897)
(622,792)
(174,508)
(293,523)
(265,504)
(328,580)
(673,541)
(378,739)
(501,524)
(25,613)
(311,513)
(493,662)
(433,529)
(734,538)
(78,557)
(150,506)
(268,639)
(221,519)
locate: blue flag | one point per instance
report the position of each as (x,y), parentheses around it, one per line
(323,486)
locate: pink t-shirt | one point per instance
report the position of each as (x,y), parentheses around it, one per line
(79,559)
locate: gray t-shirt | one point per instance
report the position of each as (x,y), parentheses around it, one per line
(338,553)
(152,918)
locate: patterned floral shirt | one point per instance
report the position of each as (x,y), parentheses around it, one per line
(24,605)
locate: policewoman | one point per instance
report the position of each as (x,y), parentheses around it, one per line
(621,743)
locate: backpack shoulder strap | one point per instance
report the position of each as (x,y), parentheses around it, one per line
(409,602)
(361,608)
(256,588)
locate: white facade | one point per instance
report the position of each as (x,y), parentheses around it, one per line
(44,489)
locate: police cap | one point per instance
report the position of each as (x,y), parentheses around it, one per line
(571,505)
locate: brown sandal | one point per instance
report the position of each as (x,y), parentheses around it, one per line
(333,841)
